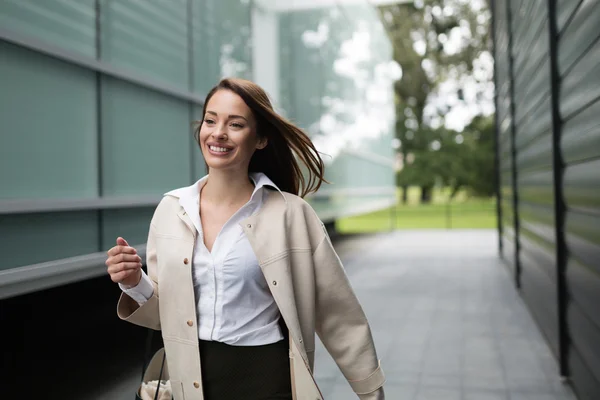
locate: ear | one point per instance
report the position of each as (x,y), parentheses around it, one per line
(262,143)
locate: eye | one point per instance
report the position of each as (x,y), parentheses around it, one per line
(209,121)
(237,125)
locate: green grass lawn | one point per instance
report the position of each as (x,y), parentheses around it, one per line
(461,213)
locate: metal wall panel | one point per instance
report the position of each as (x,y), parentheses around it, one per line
(555,46)
(580,34)
(34,238)
(533,147)
(536,187)
(148,37)
(68,24)
(129,223)
(578,55)
(564,12)
(47,109)
(504,132)
(579,88)
(582,185)
(148,127)
(580,140)
(537,288)
(538,121)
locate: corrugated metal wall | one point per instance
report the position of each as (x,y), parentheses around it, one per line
(548,131)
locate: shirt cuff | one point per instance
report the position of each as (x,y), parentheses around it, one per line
(142,292)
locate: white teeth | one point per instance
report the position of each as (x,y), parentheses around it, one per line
(219,149)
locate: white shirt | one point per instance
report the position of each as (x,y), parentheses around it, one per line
(233,302)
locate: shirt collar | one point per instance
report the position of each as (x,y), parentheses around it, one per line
(189,196)
(259,179)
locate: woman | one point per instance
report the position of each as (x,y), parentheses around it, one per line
(242,271)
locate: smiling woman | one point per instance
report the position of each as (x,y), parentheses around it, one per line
(265,277)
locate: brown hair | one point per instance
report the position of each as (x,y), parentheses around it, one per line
(284,141)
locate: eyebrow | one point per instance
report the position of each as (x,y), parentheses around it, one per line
(231,116)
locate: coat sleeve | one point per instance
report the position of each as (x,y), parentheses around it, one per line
(146,315)
(343,327)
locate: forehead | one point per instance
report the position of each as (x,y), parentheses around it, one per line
(227,102)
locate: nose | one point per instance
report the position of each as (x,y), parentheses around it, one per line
(220,133)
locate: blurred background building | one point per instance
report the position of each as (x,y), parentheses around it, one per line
(95,92)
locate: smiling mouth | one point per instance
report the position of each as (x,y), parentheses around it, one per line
(220,150)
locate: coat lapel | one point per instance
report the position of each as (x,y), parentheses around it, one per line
(186,220)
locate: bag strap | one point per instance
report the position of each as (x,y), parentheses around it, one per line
(162,365)
(148,354)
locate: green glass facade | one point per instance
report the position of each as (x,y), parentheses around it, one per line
(95,92)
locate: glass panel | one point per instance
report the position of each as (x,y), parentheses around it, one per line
(149,37)
(336,76)
(222,41)
(48,116)
(70,25)
(34,238)
(131,224)
(145,140)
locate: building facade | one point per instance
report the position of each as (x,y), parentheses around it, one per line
(94,92)
(548,119)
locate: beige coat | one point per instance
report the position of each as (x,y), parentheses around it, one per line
(304,274)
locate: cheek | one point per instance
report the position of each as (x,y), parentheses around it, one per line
(204,133)
(249,144)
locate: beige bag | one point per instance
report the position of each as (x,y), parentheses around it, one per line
(155,382)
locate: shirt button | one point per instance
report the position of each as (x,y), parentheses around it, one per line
(186,261)
(249,225)
(190,323)
(196,385)
(300,340)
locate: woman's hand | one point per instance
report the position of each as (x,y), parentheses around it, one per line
(123,264)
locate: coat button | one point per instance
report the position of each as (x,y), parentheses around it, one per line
(196,385)
(186,261)
(274,283)
(300,340)
(190,323)
(249,225)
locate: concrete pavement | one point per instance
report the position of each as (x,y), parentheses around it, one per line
(447,321)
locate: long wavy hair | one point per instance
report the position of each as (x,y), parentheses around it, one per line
(286,143)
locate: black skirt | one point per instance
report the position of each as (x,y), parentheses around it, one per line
(245,372)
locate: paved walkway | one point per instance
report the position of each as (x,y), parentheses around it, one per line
(447,322)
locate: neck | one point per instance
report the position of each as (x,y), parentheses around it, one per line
(227,187)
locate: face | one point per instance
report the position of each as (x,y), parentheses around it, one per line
(228,137)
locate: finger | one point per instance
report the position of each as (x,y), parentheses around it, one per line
(125,266)
(120,276)
(122,242)
(123,257)
(121,249)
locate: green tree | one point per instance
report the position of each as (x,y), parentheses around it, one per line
(480,163)
(458,160)
(420,33)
